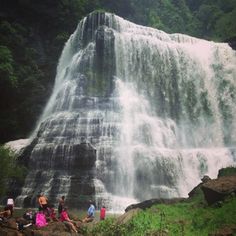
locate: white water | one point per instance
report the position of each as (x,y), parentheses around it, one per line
(163,126)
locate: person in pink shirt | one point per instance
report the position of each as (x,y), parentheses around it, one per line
(65,219)
(41,220)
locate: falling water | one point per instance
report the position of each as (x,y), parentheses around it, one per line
(135,114)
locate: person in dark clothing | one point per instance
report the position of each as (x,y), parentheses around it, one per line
(61,205)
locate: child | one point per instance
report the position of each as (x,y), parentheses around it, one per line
(103,213)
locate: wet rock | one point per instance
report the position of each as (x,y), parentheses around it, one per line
(218,189)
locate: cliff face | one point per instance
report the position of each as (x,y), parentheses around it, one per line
(62,155)
(219,189)
(134,113)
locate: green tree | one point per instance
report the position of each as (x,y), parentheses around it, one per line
(7,76)
(9,169)
(224,29)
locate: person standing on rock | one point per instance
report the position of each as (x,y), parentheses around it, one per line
(61,205)
(43,203)
(102,213)
(10,205)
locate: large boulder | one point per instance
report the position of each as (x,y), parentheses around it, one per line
(218,189)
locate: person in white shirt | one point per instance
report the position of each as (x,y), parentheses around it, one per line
(90,214)
(10,205)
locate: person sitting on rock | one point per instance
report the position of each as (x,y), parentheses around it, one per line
(41,220)
(66,220)
(4,215)
(52,214)
(61,204)
(29,216)
(90,213)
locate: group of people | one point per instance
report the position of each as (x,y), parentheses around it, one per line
(90,213)
(47,213)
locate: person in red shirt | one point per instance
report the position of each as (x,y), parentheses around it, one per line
(103,213)
(65,219)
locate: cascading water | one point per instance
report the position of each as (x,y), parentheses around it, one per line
(135,114)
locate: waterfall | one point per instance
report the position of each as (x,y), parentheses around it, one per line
(135,114)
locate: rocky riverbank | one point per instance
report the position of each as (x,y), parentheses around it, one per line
(209,210)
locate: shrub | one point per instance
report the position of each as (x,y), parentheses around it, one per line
(228,171)
(9,168)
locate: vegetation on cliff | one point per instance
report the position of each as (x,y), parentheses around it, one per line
(10,169)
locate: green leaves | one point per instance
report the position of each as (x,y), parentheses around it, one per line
(9,168)
(21,82)
(7,76)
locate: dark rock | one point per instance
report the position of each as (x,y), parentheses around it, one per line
(149,203)
(205,179)
(218,189)
(195,190)
(231,42)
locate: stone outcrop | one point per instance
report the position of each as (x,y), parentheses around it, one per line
(195,191)
(218,189)
(127,216)
(53,229)
(149,203)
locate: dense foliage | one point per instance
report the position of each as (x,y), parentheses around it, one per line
(32,34)
(10,169)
